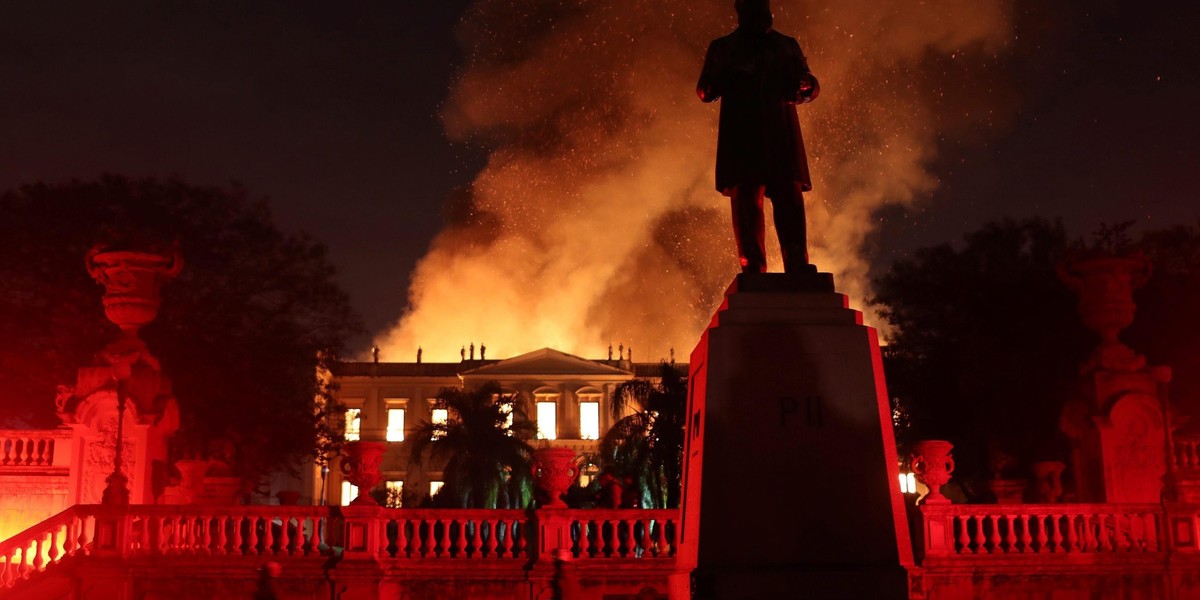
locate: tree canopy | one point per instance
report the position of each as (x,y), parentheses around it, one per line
(242,331)
(987,341)
(647,445)
(488,461)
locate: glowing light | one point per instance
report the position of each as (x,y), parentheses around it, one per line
(547,420)
(349,492)
(353,424)
(435,487)
(395,494)
(395,425)
(589,420)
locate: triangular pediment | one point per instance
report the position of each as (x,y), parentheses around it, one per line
(546,361)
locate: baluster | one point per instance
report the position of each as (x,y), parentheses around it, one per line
(268,536)
(5,573)
(310,539)
(1090,541)
(401,538)
(23,457)
(994,539)
(1103,543)
(284,536)
(520,541)
(612,540)
(507,544)
(584,543)
(461,552)
(979,538)
(1072,537)
(1055,521)
(1151,532)
(964,542)
(1043,534)
(1126,532)
(442,530)
(222,536)
(645,541)
(252,535)
(424,531)
(238,521)
(38,560)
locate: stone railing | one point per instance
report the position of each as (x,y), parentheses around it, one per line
(454,534)
(608,534)
(35,448)
(69,533)
(1186,455)
(981,531)
(396,536)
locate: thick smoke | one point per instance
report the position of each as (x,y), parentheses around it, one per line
(595,220)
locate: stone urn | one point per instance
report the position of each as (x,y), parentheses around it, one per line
(132,283)
(1105,288)
(932,464)
(554,470)
(360,466)
(1008,491)
(191,478)
(288,497)
(1047,480)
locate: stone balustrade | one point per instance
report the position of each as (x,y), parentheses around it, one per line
(470,534)
(1186,454)
(609,534)
(35,448)
(509,540)
(67,534)
(979,530)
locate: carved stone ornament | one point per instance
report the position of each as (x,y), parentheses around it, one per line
(1105,288)
(360,466)
(554,470)
(932,464)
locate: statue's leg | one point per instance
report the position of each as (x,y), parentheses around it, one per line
(788,204)
(749,228)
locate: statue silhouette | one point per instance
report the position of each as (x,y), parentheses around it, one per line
(760,75)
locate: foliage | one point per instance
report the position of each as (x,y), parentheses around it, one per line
(647,445)
(242,331)
(487,457)
(987,341)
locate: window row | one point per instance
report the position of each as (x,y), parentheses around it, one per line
(547,421)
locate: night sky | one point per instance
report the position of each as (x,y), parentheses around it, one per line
(332,110)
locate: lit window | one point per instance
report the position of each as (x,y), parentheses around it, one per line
(547,420)
(395,426)
(908,483)
(353,424)
(589,420)
(349,492)
(435,487)
(587,473)
(440,416)
(395,494)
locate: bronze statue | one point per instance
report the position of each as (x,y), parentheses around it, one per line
(760,75)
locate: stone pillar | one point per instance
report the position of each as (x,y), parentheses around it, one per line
(792,481)
(568,413)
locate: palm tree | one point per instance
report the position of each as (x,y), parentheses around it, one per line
(647,445)
(487,457)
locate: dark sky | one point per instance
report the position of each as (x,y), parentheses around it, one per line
(331,109)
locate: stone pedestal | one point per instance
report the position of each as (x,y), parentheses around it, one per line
(792,482)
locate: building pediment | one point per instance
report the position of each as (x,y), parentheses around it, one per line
(546,361)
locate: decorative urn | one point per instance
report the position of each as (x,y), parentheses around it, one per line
(554,470)
(932,464)
(132,284)
(1105,288)
(360,466)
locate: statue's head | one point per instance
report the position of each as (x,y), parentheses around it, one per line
(754,14)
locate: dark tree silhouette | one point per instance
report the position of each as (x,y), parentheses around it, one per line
(487,457)
(647,445)
(242,331)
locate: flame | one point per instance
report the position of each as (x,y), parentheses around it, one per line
(595,221)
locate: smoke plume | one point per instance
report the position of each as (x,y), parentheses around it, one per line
(595,220)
